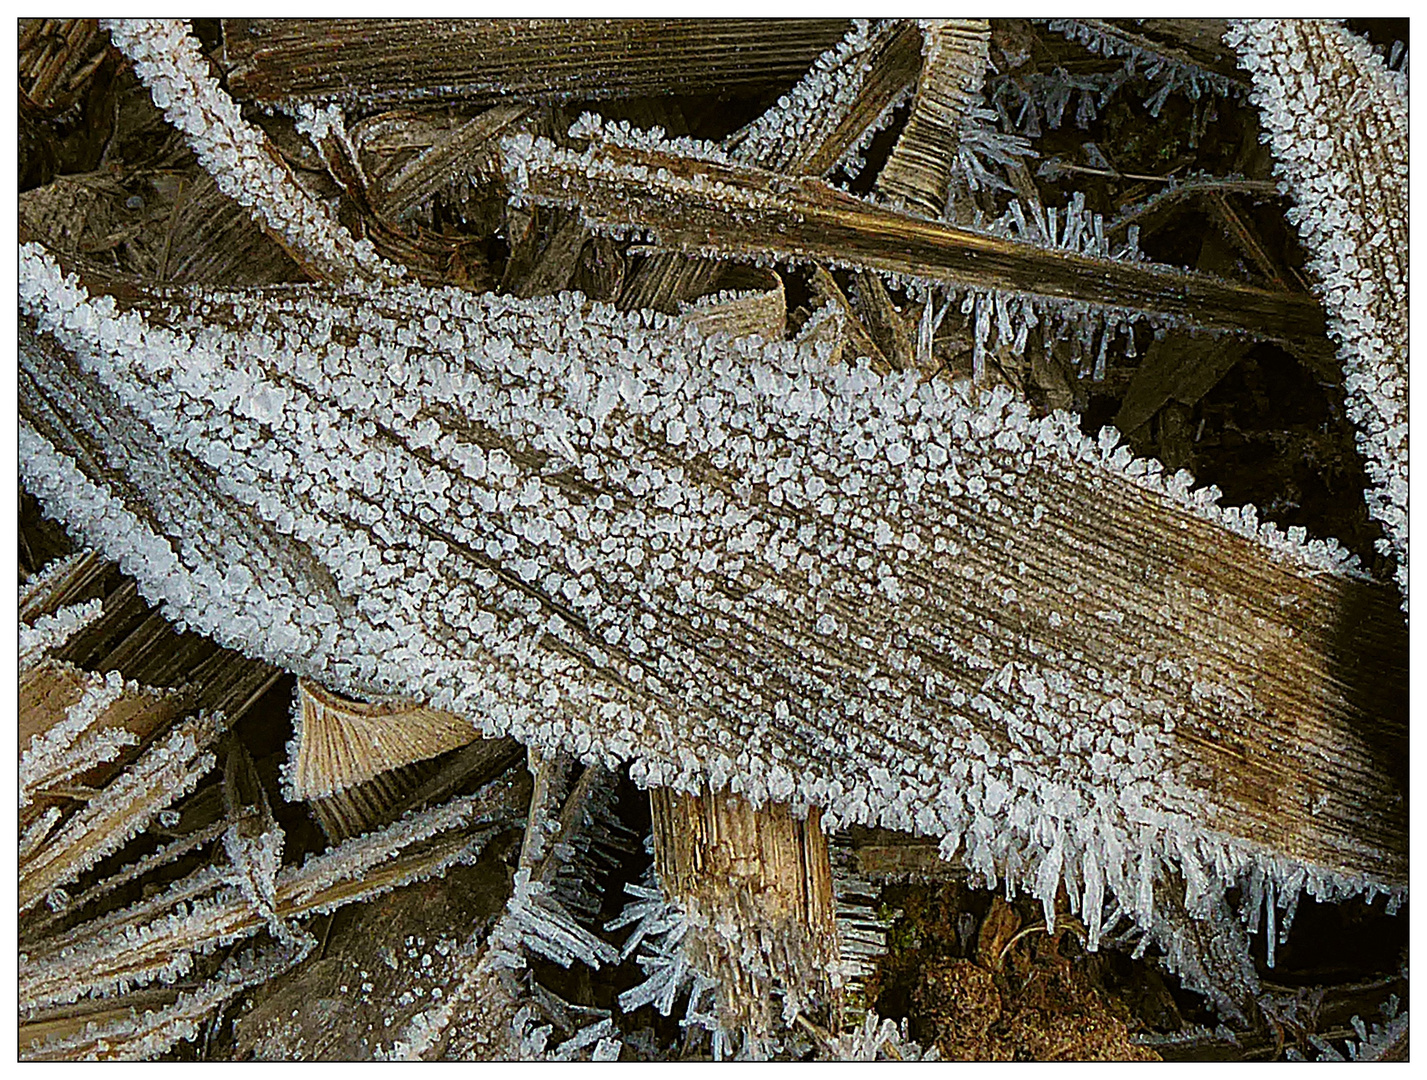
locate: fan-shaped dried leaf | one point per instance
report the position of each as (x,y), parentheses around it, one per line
(342,742)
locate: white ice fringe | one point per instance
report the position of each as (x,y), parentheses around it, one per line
(50,632)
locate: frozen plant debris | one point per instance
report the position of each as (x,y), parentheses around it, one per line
(733,210)
(705,528)
(555,538)
(1335,116)
(237,154)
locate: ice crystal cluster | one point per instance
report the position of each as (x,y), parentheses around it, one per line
(552,898)
(1027,103)
(1000,319)
(168,61)
(1335,116)
(981,145)
(730,562)
(1167,74)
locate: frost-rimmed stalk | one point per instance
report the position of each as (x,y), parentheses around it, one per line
(631,184)
(1336,117)
(1171,68)
(237,155)
(158,939)
(165,772)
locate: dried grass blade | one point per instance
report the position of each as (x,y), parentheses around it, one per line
(486,61)
(730,211)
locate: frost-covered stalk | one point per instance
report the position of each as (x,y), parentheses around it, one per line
(692,199)
(70,747)
(1336,117)
(166,771)
(910,604)
(48,633)
(246,167)
(800,132)
(753,891)
(158,939)
(142,1037)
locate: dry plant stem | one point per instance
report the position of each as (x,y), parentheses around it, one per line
(859,340)
(884,855)
(918,172)
(342,742)
(397,194)
(51,54)
(739,212)
(758,306)
(486,61)
(42,922)
(766,875)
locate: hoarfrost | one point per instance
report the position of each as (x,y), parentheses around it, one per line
(1335,116)
(168,61)
(834,708)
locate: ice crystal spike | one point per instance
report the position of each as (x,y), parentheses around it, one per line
(495,977)
(608,535)
(1335,116)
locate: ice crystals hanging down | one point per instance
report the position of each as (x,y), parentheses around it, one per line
(608,534)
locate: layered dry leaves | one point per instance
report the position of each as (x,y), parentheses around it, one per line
(1271,679)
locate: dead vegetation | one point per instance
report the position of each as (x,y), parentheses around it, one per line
(198,881)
